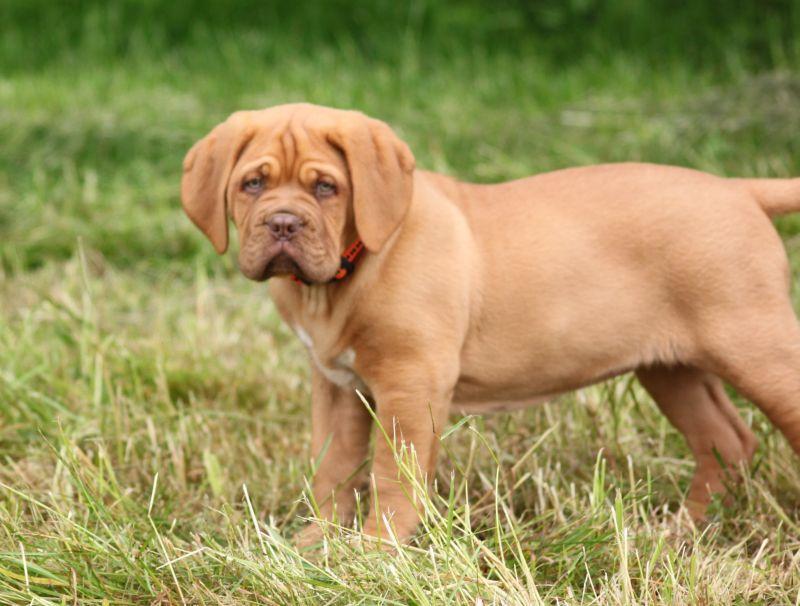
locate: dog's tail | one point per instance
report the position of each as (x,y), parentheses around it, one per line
(776,196)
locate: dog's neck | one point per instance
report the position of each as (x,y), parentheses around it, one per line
(319,301)
(331,305)
(316,298)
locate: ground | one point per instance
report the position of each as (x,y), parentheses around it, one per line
(154,420)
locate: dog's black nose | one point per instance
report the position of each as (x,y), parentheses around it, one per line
(284,226)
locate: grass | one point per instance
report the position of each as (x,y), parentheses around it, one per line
(144,383)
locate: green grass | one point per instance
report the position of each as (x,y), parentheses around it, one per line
(144,383)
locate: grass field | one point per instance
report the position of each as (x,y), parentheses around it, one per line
(144,383)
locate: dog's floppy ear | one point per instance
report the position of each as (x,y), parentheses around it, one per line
(206,170)
(381,170)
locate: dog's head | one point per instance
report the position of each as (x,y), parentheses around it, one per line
(299,181)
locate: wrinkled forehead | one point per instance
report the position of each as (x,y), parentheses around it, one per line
(286,139)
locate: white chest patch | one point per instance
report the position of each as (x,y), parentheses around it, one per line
(341,371)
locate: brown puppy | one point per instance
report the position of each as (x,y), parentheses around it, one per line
(492,297)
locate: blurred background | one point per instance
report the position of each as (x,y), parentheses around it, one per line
(143,381)
(100,99)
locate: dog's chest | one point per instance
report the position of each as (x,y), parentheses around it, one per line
(337,369)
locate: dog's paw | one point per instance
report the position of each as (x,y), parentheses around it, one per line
(377,537)
(372,543)
(311,536)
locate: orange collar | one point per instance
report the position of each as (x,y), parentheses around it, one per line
(347,265)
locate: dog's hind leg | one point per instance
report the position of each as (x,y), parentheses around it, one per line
(760,357)
(695,402)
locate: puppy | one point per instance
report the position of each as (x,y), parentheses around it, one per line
(432,295)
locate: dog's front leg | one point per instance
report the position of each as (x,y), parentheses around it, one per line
(411,418)
(340,428)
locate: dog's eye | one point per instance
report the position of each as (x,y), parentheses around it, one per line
(253,185)
(324,189)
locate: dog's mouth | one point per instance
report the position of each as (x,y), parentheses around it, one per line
(279,259)
(260,261)
(282,264)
